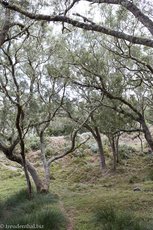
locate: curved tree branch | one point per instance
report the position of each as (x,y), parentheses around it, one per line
(131,7)
(86,26)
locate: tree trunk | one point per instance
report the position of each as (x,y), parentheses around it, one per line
(117,148)
(44,161)
(112,144)
(147,133)
(40,186)
(96,134)
(114,155)
(5,28)
(29,186)
(37,180)
(101,149)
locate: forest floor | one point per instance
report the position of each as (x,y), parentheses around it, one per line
(82,188)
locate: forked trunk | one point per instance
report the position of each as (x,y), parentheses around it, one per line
(39,184)
(40,187)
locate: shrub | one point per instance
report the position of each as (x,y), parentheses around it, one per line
(34,143)
(49,152)
(126,151)
(94,148)
(60,126)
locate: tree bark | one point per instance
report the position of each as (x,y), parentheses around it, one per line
(44,161)
(147,133)
(29,186)
(101,149)
(114,152)
(96,134)
(40,186)
(117,150)
(37,180)
(92,26)
(5,27)
(131,7)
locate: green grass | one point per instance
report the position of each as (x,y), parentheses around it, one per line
(50,218)
(109,218)
(87,195)
(81,197)
(42,210)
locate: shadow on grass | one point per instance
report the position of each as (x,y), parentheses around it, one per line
(41,212)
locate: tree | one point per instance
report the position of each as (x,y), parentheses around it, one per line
(86,104)
(28,102)
(48,103)
(16,94)
(122,77)
(113,125)
(88,24)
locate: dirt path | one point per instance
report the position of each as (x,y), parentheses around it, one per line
(70,223)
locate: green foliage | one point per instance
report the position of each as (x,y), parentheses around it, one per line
(110,218)
(61,126)
(49,152)
(34,143)
(125,151)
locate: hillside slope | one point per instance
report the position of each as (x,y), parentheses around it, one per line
(82,188)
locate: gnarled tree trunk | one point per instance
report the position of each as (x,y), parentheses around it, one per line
(147,133)
(36,179)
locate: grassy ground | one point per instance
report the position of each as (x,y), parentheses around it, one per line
(91,200)
(43,211)
(129,190)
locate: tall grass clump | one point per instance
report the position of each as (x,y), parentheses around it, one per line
(49,218)
(109,218)
(16,199)
(42,210)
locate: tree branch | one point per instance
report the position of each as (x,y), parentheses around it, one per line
(82,25)
(74,135)
(5,28)
(130,6)
(72,148)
